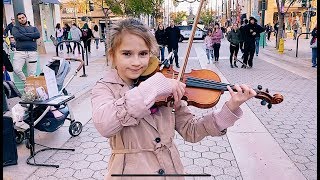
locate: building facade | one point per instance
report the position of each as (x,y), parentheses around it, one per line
(49,12)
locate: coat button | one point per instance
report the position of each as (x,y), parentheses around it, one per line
(157,139)
(161,171)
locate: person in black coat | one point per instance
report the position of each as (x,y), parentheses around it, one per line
(86,35)
(173,34)
(161,40)
(251,31)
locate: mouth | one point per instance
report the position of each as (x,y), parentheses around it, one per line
(136,70)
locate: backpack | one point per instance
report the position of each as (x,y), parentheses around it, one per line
(85,33)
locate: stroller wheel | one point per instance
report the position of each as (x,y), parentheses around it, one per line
(19,137)
(75,128)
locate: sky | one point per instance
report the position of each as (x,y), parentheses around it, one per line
(184,6)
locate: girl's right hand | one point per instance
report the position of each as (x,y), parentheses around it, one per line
(178,90)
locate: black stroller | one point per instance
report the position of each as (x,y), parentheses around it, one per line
(45,119)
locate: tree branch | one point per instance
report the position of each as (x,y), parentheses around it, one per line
(291,3)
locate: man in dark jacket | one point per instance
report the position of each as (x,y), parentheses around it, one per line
(26,37)
(9,28)
(173,34)
(245,22)
(251,31)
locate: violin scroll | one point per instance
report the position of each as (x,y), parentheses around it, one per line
(267,98)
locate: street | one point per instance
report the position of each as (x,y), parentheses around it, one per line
(276,143)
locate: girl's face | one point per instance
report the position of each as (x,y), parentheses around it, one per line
(235,26)
(160,27)
(131,57)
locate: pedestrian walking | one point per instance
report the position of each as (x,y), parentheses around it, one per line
(59,35)
(268,31)
(313,45)
(161,38)
(276,28)
(217,35)
(258,37)
(86,36)
(234,37)
(76,35)
(173,34)
(141,134)
(250,33)
(26,37)
(209,46)
(295,28)
(245,22)
(67,36)
(96,35)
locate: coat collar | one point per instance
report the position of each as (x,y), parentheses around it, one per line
(111,76)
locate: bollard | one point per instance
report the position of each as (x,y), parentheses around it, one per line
(281,46)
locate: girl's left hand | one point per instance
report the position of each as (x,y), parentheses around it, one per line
(243,93)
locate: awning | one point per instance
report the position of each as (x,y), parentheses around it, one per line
(51,1)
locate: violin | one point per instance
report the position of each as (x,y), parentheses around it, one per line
(203,87)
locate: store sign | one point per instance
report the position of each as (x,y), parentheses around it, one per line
(6,1)
(69,10)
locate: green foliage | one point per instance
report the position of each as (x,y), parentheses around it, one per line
(178,17)
(207,16)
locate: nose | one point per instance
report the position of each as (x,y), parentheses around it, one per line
(136,61)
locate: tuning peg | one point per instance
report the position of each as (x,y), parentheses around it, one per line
(269,106)
(267,90)
(259,87)
(263,102)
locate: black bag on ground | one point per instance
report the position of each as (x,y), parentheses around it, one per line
(9,148)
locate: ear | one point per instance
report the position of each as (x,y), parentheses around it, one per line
(111,58)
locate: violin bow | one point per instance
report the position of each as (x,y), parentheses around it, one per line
(194,27)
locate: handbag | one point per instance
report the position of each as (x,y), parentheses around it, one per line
(313,43)
(69,36)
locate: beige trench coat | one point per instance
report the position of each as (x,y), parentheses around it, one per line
(141,142)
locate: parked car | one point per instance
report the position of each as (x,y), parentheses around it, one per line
(185,32)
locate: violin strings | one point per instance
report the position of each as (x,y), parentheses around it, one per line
(210,81)
(206,83)
(193,83)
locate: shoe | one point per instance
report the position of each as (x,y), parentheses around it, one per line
(231,65)
(314,65)
(243,66)
(68,52)
(177,66)
(235,65)
(256,54)
(208,62)
(249,67)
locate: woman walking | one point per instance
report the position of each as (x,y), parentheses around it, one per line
(59,35)
(161,38)
(67,36)
(86,35)
(234,37)
(217,35)
(76,36)
(313,45)
(96,35)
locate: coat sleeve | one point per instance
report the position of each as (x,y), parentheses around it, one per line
(110,115)
(212,124)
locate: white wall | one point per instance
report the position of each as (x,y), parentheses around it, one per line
(29,11)
(57,15)
(9,12)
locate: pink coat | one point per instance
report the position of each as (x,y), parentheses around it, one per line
(217,36)
(142,142)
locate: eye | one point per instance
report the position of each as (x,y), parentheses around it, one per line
(144,53)
(126,53)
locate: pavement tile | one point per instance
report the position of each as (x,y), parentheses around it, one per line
(186,161)
(202,162)
(99,174)
(200,148)
(78,157)
(225,177)
(227,156)
(221,163)
(192,154)
(193,169)
(83,173)
(98,165)
(232,171)
(80,164)
(94,157)
(210,155)
(64,173)
(218,149)
(213,170)
(44,171)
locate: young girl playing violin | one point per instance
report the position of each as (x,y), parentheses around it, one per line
(141,136)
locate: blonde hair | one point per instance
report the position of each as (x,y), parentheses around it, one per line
(135,27)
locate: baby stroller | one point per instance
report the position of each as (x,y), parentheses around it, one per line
(45,118)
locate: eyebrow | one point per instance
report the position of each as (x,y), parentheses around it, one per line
(125,50)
